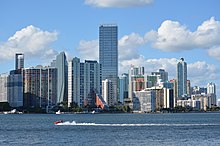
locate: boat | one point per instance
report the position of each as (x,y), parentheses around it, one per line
(58,122)
(93,112)
(58,112)
(14,111)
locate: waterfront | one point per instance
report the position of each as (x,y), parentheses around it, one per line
(111,129)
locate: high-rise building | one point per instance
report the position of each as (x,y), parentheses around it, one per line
(108,55)
(174,82)
(188,88)
(123,87)
(146,100)
(19,61)
(211,90)
(15,88)
(107,92)
(84,79)
(136,80)
(152,80)
(62,77)
(40,87)
(3,88)
(163,75)
(199,90)
(181,78)
(168,98)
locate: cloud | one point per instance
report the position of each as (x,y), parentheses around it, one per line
(31,41)
(128,47)
(174,37)
(88,50)
(171,36)
(118,3)
(214,52)
(200,72)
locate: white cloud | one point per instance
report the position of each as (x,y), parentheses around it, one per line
(88,50)
(214,52)
(118,3)
(31,41)
(172,36)
(200,72)
(128,47)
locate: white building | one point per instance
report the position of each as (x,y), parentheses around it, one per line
(146,100)
(211,90)
(135,73)
(83,78)
(168,98)
(3,88)
(218,103)
(107,94)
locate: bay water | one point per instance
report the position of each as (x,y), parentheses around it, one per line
(177,129)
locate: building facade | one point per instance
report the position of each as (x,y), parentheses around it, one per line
(181,78)
(83,80)
(123,87)
(15,88)
(108,55)
(163,75)
(107,92)
(40,87)
(62,76)
(19,61)
(211,90)
(136,80)
(146,100)
(3,88)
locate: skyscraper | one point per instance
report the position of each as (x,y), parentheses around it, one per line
(40,87)
(123,87)
(163,75)
(107,92)
(136,80)
(181,78)
(108,54)
(19,61)
(62,76)
(83,80)
(211,90)
(3,88)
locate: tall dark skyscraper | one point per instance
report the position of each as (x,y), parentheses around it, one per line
(181,78)
(19,61)
(108,54)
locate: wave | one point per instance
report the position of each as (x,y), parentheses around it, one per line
(73,123)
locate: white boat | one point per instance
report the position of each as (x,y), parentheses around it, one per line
(58,112)
(93,112)
(14,111)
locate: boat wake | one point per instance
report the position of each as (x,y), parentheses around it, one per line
(73,123)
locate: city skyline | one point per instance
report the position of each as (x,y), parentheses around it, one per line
(142,34)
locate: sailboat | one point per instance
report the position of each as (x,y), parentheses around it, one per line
(58,112)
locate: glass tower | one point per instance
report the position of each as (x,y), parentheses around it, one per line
(181,78)
(108,54)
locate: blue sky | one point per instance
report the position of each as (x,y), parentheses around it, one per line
(152,33)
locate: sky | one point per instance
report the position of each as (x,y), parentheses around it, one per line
(152,33)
